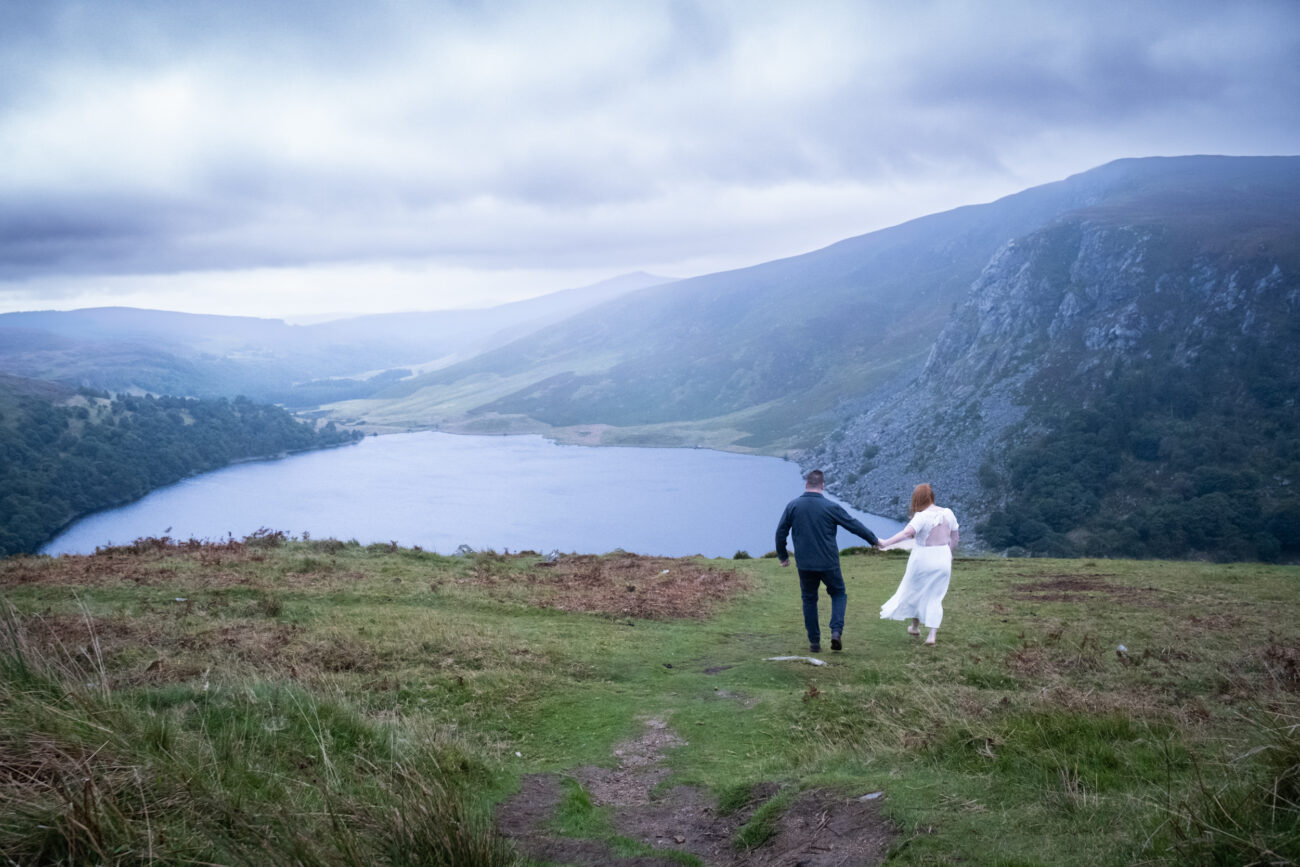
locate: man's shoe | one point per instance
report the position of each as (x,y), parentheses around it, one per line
(836,644)
(814,648)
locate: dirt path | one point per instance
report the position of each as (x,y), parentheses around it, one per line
(817,829)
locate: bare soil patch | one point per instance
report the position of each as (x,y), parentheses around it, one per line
(822,830)
(1215,622)
(1069,588)
(620,584)
(524,817)
(817,829)
(1282,662)
(640,768)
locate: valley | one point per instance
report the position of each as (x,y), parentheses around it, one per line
(1138,311)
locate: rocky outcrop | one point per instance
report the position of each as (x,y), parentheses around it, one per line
(1051,317)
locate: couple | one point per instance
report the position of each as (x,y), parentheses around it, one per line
(814,520)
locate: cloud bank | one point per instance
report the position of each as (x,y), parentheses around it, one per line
(434,154)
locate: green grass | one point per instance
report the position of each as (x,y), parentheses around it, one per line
(762,824)
(304,691)
(256,772)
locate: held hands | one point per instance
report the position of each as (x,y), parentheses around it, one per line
(905,533)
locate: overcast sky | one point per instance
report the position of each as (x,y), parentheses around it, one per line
(279,158)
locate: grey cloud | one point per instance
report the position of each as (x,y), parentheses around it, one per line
(1123,61)
(92,234)
(1111,83)
(579,156)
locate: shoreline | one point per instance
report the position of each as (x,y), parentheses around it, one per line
(190,475)
(595,434)
(550,483)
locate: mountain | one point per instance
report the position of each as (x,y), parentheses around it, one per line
(778,352)
(1141,315)
(124,349)
(765,355)
(416,337)
(1119,381)
(162,352)
(1101,365)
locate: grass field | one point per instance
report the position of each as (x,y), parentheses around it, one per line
(317,702)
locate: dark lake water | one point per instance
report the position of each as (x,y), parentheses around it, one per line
(440,491)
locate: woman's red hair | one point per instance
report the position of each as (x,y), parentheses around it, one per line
(922,497)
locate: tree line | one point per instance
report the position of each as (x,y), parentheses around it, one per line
(62,460)
(1164,461)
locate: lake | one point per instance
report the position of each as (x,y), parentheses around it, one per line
(441,491)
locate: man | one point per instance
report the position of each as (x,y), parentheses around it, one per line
(814,520)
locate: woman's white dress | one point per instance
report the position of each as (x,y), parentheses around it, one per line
(929,568)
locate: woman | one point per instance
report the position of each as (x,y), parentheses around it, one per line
(920,594)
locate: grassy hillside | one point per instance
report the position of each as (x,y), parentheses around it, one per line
(793,347)
(320,702)
(779,345)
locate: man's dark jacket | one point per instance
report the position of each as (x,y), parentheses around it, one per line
(814,520)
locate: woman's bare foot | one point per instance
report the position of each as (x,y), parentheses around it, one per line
(930,638)
(913,627)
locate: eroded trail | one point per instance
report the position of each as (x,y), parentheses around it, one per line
(816,829)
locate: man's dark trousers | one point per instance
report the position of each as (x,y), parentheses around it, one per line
(810,581)
(813,520)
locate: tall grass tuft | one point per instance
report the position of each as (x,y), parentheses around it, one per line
(762,825)
(1246,810)
(244,773)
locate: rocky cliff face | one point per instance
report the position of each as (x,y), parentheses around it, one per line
(1052,319)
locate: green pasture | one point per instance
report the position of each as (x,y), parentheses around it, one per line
(321,702)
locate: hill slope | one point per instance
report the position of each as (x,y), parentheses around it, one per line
(1157,294)
(163,352)
(788,344)
(1118,381)
(778,342)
